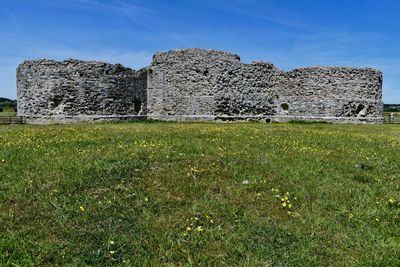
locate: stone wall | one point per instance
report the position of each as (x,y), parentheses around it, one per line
(197,84)
(74,90)
(184,84)
(201,84)
(333,93)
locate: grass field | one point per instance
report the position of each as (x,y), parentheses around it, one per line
(395,113)
(150,194)
(7,112)
(396,117)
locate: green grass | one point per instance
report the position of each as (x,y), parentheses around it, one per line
(387,113)
(129,195)
(7,112)
(396,116)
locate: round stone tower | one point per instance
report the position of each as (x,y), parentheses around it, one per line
(73,90)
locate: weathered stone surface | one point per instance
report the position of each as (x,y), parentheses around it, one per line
(197,84)
(75,90)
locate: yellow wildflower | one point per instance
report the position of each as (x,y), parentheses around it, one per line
(82,208)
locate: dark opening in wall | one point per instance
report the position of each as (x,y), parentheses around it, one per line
(56,101)
(285,107)
(361,110)
(138,105)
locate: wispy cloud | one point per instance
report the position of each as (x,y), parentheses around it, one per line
(132,59)
(7,14)
(130,11)
(11,15)
(328,48)
(120,6)
(289,34)
(241,9)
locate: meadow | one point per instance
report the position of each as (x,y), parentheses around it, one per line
(7,112)
(195,194)
(395,119)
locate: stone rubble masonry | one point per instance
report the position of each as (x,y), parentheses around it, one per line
(196,85)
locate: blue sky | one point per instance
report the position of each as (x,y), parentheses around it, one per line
(289,33)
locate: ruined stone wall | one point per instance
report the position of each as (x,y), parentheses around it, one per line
(192,84)
(75,90)
(197,84)
(204,84)
(185,84)
(333,93)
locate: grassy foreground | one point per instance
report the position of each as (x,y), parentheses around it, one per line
(149,194)
(7,112)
